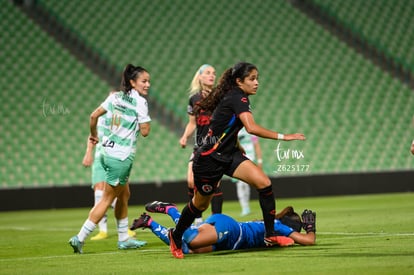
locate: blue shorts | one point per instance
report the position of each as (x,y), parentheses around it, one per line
(233,235)
(228,231)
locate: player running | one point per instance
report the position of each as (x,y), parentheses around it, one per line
(219,155)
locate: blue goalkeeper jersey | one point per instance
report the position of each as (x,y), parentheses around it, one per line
(233,235)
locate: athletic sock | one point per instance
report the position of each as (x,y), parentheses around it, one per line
(160,231)
(122,226)
(217,202)
(268,205)
(188,215)
(103,226)
(174,214)
(190,196)
(243,194)
(86,229)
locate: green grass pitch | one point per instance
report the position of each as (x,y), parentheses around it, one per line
(365,234)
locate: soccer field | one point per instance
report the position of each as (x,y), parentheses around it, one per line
(367,234)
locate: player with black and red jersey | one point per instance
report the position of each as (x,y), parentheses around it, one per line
(221,155)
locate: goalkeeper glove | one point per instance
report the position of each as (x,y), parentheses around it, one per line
(309,221)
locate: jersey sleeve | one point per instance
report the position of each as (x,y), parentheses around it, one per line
(107,102)
(240,104)
(142,109)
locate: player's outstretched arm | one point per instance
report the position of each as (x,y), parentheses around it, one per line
(303,239)
(256,129)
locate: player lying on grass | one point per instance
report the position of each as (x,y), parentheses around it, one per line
(221,232)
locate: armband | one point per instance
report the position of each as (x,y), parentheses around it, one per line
(280,136)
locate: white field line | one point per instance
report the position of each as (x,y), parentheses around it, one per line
(146,251)
(47,229)
(337,235)
(353,234)
(359,235)
(365,233)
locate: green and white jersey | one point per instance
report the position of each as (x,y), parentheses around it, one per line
(124,114)
(247,141)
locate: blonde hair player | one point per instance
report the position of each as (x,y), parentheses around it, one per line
(201,86)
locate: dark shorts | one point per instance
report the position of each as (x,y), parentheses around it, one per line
(208,171)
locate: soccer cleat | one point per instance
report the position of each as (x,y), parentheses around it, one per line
(76,244)
(159,207)
(175,246)
(143,221)
(278,241)
(131,233)
(131,244)
(100,236)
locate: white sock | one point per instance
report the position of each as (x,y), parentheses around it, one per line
(243,194)
(122,226)
(86,229)
(247,196)
(103,227)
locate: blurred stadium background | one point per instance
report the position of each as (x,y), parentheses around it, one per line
(339,71)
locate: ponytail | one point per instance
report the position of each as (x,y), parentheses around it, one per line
(131,72)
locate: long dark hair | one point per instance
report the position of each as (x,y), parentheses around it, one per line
(226,83)
(131,72)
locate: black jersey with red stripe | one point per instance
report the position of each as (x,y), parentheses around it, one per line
(202,119)
(221,140)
